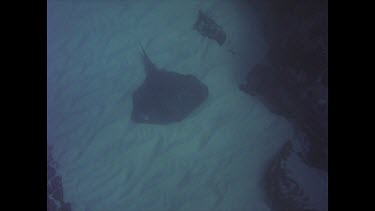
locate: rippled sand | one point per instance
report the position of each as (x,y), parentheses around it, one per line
(213,160)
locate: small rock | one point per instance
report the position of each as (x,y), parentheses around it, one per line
(66,207)
(50,171)
(56,183)
(51,205)
(208,28)
(58,194)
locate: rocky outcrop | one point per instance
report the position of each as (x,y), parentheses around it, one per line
(207,27)
(55,195)
(291,185)
(292,81)
(304,105)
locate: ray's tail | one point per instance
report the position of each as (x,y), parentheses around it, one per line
(149,66)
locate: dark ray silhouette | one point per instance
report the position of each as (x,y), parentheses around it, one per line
(165,97)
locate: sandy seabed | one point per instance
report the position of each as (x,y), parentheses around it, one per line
(213,160)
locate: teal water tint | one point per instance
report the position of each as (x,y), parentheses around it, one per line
(212,160)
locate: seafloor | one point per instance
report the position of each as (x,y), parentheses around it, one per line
(215,159)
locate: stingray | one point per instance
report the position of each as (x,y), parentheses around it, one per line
(164,96)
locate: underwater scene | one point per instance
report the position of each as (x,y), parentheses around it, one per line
(187,105)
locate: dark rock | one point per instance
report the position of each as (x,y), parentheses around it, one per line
(293,82)
(55,193)
(49,188)
(208,28)
(51,205)
(274,88)
(58,194)
(49,158)
(291,185)
(65,207)
(50,171)
(56,183)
